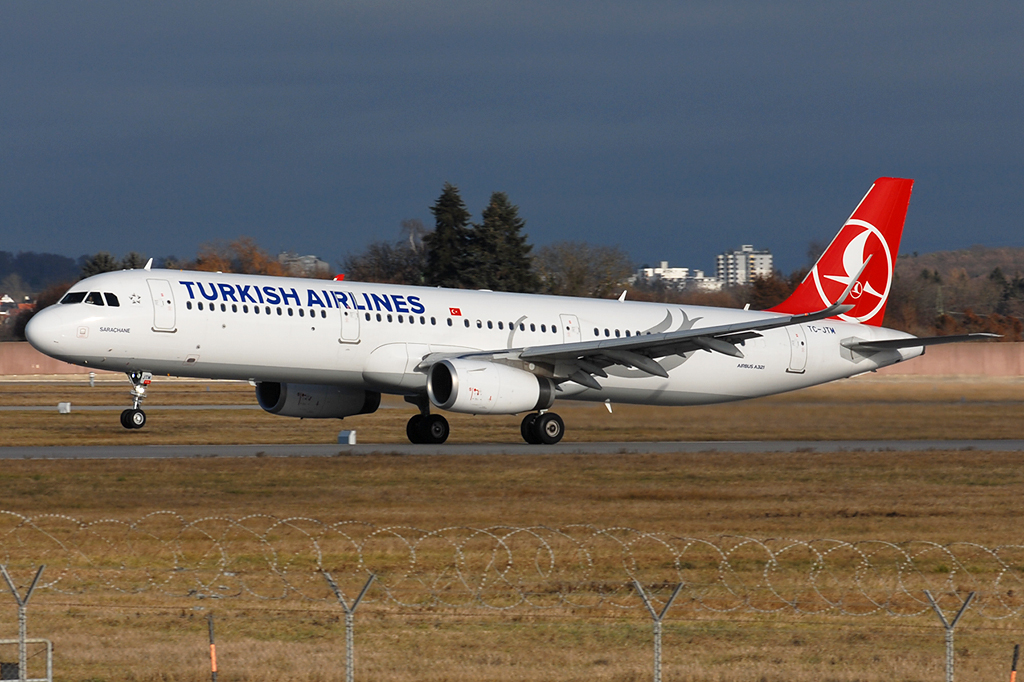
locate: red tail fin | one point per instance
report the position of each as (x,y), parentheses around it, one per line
(873,230)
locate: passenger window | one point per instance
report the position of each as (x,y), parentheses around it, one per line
(401,319)
(522,327)
(223,308)
(367,317)
(302,312)
(479,324)
(490,325)
(267,310)
(245,308)
(188,304)
(501,325)
(95,298)
(389,317)
(449,321)
(433,321)
(234,308)
(596,332)
(74,297)
(467,323)
(533,327)
(616,333)
(199,305)
(378,317)
(627,332)
(543,328)
(323,314)
(607,333)
(256,309)
(278,311)
(112,300)
(289,312)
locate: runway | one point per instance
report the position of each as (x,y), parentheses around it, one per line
(463,449)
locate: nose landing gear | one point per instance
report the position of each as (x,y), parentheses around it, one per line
(133,417)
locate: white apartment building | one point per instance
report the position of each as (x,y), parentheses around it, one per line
(680,278)
(743,265)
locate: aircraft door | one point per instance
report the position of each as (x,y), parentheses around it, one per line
(349,325)
(163,305)
(570,329)
(797,349)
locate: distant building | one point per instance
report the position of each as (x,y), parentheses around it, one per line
(303,266)
(679,278)
(742,266)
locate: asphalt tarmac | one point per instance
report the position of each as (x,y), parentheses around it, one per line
(335,450)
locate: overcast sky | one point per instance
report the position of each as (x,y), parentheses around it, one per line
(673,130)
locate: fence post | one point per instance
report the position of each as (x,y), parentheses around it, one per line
(950,626)
(213,650)
(22,618)
(657,618)
(349,622)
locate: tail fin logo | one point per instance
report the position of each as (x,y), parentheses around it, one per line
(833,275)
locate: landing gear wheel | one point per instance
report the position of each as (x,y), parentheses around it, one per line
(414,429)
(435,429)
(530,434)
(549,428)
(429,429)
(133,419)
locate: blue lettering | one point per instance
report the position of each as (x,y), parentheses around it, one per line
(285,295)
(272,297)
(399,303)
(313,299)
(227,292)
(328,299)
(415,305)
(369,304)
(189,285)
(341,299)
(381,302)
(212,296)
(243,293)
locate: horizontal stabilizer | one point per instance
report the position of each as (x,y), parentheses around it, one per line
(915,342)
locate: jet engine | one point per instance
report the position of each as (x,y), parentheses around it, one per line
(315,401)
(481,387)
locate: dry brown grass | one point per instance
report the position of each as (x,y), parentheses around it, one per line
(863,408)
(937,496)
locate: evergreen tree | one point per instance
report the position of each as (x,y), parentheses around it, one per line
(498,252)
(101,262)
(447,244)
(133,261)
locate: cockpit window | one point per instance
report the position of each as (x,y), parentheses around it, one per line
(73,297)
(94,297)
(111,300)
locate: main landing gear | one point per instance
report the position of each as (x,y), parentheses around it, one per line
(133,417)
(542,428)
(425,428)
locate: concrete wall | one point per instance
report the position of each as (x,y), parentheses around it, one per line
(22,358)
(973,359)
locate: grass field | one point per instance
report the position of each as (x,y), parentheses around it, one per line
(942,497)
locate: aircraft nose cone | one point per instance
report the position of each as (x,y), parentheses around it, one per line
(45,331)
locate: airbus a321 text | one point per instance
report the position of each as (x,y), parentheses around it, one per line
(329,349)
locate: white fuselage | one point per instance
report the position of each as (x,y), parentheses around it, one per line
(373,336)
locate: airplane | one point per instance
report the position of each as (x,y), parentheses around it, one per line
(330,349)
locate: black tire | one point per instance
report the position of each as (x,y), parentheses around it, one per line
(549,427)
(435,429)
(414,430)
(137,418)
(125,419)
(529,429)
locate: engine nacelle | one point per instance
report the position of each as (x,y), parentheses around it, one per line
(315,401)
(481,387)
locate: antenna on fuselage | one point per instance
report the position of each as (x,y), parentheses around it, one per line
(149,264)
